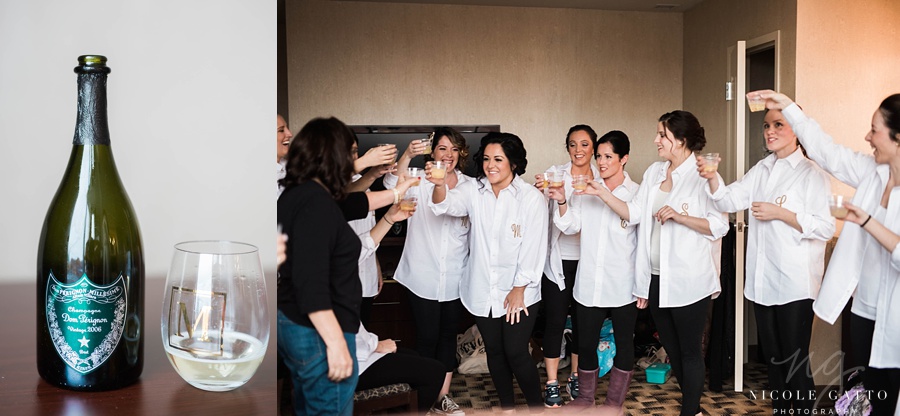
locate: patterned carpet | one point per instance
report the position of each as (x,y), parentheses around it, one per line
(475,394)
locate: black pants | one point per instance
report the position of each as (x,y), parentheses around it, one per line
(425,375)
(506,347)
(681,332)
(557,305)
(436,327)
(589,323)
(881,382)
(784,333)
(365,311)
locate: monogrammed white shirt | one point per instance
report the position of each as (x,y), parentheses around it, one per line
(437,247)
(877,294)
(507,242)
(605,275)
(689,261)
(553,266)
(783,264)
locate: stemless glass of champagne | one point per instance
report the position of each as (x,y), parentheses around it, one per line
(215,319)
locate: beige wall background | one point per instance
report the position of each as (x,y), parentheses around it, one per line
(536,72)
(709,29)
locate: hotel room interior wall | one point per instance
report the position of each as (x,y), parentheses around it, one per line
(534,71)
(709,29)
(847,63)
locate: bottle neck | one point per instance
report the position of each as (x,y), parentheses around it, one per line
(92,127)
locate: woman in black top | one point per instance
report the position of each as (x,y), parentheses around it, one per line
(319,290)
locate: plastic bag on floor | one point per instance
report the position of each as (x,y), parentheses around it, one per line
(470,352)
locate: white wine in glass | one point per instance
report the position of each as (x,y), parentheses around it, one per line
(215,320)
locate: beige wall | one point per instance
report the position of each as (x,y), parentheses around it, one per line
(536,72)
(709,29)
(847,62)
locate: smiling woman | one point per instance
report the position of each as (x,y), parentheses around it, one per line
(507,248)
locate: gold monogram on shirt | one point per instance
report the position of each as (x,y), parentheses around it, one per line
(684,209)
(517,231)
(464,221)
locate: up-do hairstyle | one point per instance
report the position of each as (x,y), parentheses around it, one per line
(685,127)
(585,128)
(618,140)
(890,110)
(321,151)
(457,140)
(512,148)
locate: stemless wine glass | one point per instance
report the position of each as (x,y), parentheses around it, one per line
(215,319)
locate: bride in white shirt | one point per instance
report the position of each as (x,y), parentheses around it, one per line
(507,250)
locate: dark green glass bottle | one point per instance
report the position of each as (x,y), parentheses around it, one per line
(90,266)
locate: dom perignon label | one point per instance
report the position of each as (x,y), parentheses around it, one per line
(85,320)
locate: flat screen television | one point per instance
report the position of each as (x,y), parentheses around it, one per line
(371,136)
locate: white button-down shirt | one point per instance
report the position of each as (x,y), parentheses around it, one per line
(368,269)
(507,242)
(877,295)
(366,343)
(436,250)
(553,266)
(605,275)
(783,264)
(689,261)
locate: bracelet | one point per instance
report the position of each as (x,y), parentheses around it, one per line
(388,221)
(561,203)
(396,196)
(863,225)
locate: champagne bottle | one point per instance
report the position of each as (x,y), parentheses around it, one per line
(90,267)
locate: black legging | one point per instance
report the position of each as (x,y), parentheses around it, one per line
(681,333)
(506,347)
(425,375)
(558,304)
(882,382)
(436,326)
(590,322)
(784,333)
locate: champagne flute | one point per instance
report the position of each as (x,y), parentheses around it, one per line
(215,319)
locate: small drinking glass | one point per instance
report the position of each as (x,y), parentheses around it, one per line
(556,179)
(579,182)
(755,102)
(438,169)
(710,162)
(408,203)
(428,141)
(836,205)
(414,173)
(543,180)
(215,318)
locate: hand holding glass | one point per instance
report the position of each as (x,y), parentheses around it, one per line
(215,319)
(579,183)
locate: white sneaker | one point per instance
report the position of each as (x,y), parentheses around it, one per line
(445,406)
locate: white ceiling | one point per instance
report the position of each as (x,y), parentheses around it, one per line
(623,5)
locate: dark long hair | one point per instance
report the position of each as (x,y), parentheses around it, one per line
(890,110)
(456,140)
(321,151)
(685,127)
(512,148)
